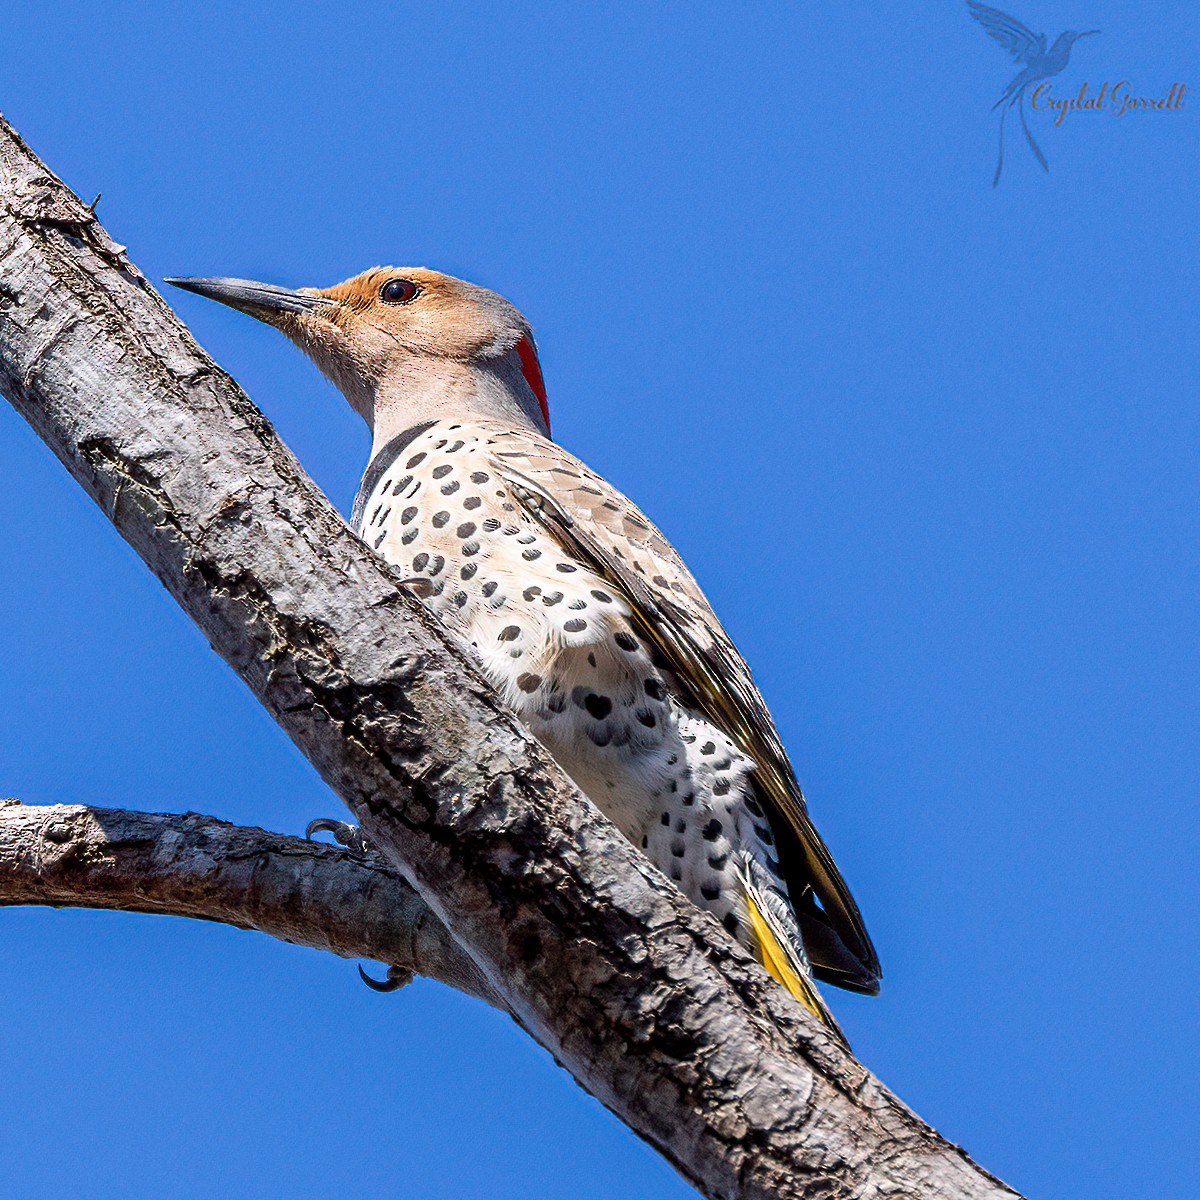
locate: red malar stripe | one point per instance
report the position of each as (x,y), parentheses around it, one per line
(532,370)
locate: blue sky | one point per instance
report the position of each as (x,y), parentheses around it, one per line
(929,447)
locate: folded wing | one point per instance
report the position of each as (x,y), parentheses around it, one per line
(606,530)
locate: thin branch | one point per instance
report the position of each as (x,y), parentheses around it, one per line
(641,995)
(307,893)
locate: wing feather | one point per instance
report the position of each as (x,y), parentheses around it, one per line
(1018,40)
(605,529)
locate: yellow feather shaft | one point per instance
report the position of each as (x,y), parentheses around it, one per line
(777,964)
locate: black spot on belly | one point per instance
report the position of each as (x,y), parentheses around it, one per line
(603,597)
(529,682)
(407,515)
(625,640)
(712,830)
(721,787)
(532,593)
(678,849)
(402,485)
(710,891)
(441,519)
(654,689)
(598,706)
(509,633)
(466,529)
(420,562)
(448,489)
(472,502)
(708,748)
(575,625)
(489,588)
(557,703)
(718,861)
(731,923)
(442,471)
(666,818)
(491,525)
(410,537)
(601,735)
(530,555)
(647,718)
(566,568)
(469,570)
(479,477)
(415,461)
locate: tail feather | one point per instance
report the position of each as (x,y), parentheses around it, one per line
(782,962)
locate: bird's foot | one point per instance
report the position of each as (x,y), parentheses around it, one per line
(396,978)
(342,832)
(420,587)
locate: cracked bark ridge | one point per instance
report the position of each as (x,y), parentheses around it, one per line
(642,996)
(189,865)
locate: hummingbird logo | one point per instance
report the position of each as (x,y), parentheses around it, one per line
(1038,63)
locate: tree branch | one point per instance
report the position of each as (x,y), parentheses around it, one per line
(641,995)
(307,893)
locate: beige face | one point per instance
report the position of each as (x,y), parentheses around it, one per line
(388,316)
(445,318)
(392,321)
(395,339)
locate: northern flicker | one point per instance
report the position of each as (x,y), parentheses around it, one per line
(574,605)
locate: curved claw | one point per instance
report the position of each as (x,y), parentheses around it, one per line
(420,585)
(320,825)
(343,833)
(396,978)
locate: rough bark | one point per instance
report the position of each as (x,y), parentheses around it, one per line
(306,893)
(639,994)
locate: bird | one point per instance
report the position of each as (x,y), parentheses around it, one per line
(574,605)
(1029,48)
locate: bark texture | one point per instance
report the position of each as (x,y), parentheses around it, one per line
(306,893)
(640,995)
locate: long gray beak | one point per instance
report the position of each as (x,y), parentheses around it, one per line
(1089,32)
(261,300)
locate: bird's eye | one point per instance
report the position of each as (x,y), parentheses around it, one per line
(398,291)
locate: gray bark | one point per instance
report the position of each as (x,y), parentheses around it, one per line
(640,995)
(307,893)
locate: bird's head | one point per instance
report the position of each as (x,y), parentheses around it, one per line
(404,344)
(1071,36)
